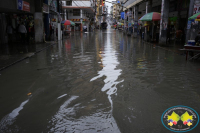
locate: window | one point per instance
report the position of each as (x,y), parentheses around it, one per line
(69,3)
(76,12)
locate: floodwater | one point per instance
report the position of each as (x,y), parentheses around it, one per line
(100,81)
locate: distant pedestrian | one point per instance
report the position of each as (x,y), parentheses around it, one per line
(53,27)
(22,30)
(141,33)
(168,35)
(28,27)
(32,32)
(50,29)
(84,28)
(157,33)
(9,32)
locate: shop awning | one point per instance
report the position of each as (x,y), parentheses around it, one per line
(78,20)
(131,3)
(153,16)
(72,23)
(195,16)
(68,22)
(120,23)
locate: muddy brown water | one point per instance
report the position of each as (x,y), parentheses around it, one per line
(102,81)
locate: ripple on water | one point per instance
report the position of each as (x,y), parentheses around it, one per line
(68,120)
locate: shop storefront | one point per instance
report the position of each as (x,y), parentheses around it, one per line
(14,19)
(78,24)
(50,19)
(172,28)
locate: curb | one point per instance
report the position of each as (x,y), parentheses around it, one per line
(160,46)
(26,57)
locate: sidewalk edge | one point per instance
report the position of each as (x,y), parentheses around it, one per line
(1,69)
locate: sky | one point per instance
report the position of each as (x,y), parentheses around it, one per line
(109,4)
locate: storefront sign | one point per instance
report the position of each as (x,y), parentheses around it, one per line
(26,6)
(23,5)
(45,8)
(53,20)
(196,8)
(135,24)
(49,2)
(189,25)
(53,6)
(19,4)
(77,20)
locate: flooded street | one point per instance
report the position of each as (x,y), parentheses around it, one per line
(102,81)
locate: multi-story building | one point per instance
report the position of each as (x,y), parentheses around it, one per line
(34,13)
(81,12)
(99,13)
(174,15)
(114,4)
(104,12)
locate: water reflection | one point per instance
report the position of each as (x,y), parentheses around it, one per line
(63,116)
(10,118)
(99,83)
(109,62)
(95,113)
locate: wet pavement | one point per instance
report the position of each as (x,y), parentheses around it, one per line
(13,53)
(100,81)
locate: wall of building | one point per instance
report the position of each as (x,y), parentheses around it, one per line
(70,15)
(8,5)
(82,3)
(11,6)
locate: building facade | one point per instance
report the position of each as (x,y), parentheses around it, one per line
(174,16)
(35,15)
(80,12)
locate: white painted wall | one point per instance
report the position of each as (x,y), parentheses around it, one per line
(81,3)
(70,15)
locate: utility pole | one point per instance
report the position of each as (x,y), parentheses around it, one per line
(95,12)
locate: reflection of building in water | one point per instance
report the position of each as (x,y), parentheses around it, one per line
(68,46)
(121,46)
(110,63)
(98,51)
(141,63)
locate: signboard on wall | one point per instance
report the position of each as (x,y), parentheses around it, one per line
(196,8)
(23,5)
(53,20)
(189,24)
(53,5)
(49,2)
(19,4)
(78,20)
(45,8)
(136,24)
(26,6)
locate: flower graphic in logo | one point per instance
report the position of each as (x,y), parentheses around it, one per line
(180,118)
(185,118)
